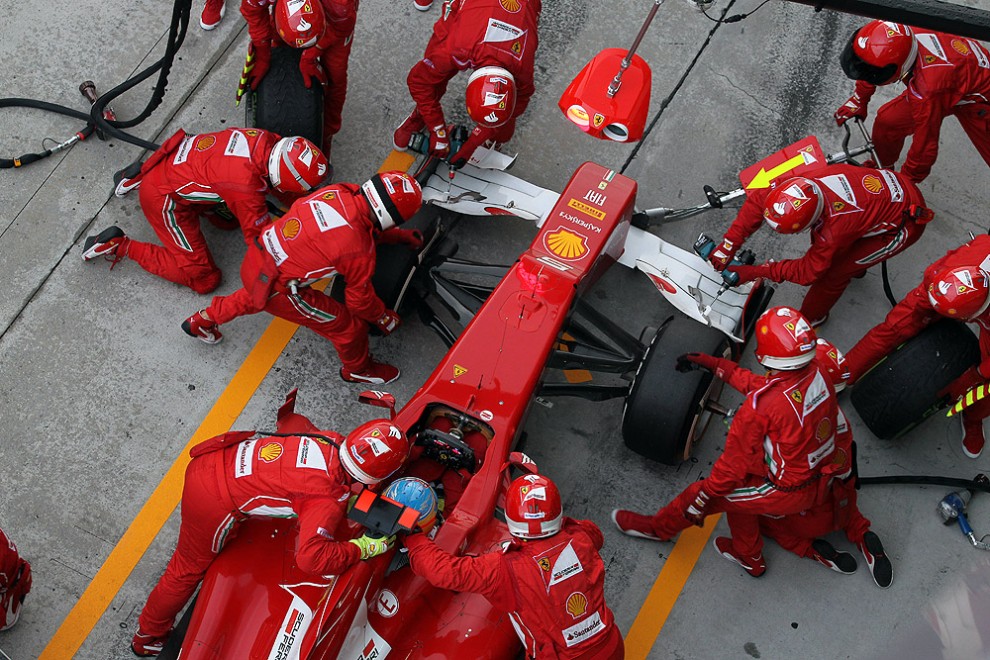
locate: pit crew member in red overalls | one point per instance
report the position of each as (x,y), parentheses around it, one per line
(944,75)
(858,217)
(799,532)
(237,166)
(780,440)
(324,29)
(327,233)
(497,39)
(236,475)
(549,577)
(957,286)
(15,582)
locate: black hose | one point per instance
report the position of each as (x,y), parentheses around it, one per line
(95,121)
(925,480)
(886,285)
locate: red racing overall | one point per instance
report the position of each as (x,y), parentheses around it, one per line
(865,221)
(950,76)
(552,588)
(334,50)
(187,172)
(780,440)
(471,35)
(328,232)
(229,480)
(911,315)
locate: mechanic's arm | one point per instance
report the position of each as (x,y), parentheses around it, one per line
(247,203)
(904,321)
(317,552)
(743,451)
(446,571)
(928,114)
(427,82)
(834,236)
(747,221)
(524,88)
(255,12)
(593,531)
(359,294)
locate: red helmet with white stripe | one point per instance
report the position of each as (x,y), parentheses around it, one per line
(961,293)
(491,96)
(784,339)
(793,205)
(296,165)
(880,53)
(373,451)
(532,507)
(832,361)
(394,197)
(300,23)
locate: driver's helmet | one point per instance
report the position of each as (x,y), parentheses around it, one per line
(962,292)
(394,197)
(880,53)
(373,451)
(491,96)
(296,165)
(417,494)
(300,23)
(833,362)
(532,507)
(794,205)
(785,340)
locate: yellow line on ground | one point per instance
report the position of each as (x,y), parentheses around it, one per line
(397,160)
(124,557)
(667,588)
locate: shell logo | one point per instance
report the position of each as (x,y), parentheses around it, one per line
(270,452)
(960,46)
(511,6)
(873,184)
(566,244)
(291,228)
(824,430)
(205,142)
(577,604)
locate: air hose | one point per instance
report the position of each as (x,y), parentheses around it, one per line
(95,120)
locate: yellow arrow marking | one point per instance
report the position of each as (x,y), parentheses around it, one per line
(764,177)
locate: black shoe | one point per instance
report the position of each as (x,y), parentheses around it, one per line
(827,555)
(877,560)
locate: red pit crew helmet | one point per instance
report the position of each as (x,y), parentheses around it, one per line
(794,205)
(784,339)
(394,197)
(373,451)
(296,165)
(834,362)
(300,23)
(491,96)
(532,507)
(961,293)
(880,53)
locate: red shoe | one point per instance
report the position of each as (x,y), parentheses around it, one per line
(973,440)
(202,328)
(12,600)
(409,127)
(376,374)
(212,14)
(635,524)
(755,566)
(105,244)
(423,5)
(147,646)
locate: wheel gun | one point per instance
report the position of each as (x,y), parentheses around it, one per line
(703,248)
(953,508)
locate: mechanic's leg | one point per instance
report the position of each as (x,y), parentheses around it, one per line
(861,255)
(15,582)
(204,524)
(183,257)
(780,530)
(891,126)
(335,91)
(327,318)
(670,520)
(975,120)
(223,309)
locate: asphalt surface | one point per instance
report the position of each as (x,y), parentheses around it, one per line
(100,390)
